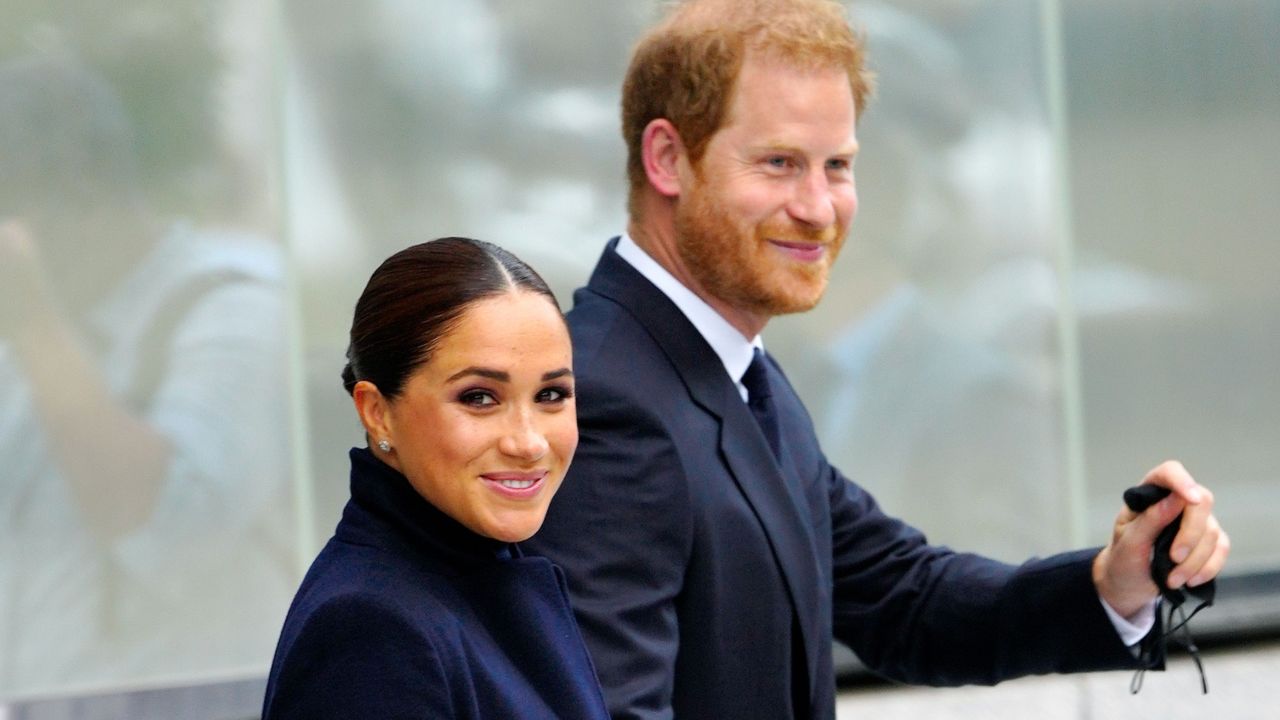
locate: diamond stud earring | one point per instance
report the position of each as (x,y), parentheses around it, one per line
(384,446)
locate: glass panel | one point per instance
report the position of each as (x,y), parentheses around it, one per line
(146,530)
(1175,161)
(931,367)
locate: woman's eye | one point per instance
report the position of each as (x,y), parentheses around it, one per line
(478,398)
(554,394)
(777,162)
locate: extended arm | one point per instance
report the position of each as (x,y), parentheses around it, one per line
(92,435)
(925,614)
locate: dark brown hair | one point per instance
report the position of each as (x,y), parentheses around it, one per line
(417,296)
(685,69)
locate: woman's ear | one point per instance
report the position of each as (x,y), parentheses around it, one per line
(374,411)
(662,152)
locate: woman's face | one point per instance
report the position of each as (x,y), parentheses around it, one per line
(486,428)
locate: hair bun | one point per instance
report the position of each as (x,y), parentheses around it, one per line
(348,378)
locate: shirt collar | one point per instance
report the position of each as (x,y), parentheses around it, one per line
(735,352)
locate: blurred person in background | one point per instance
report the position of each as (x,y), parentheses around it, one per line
(144,522)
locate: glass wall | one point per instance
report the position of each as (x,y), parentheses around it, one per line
(1175,167)
(1060,274)
(148,531)
(933,365)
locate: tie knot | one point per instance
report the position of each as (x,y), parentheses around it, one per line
(756,378)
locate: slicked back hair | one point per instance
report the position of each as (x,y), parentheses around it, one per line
(417,296)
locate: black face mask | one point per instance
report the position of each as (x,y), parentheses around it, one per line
(1176,601)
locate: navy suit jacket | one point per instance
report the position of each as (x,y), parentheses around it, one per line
(709,578)
(408,614)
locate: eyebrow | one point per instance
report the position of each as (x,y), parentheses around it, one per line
(562,372)
(779,146)
(503,376)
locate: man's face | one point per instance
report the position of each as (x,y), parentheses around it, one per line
(763,215)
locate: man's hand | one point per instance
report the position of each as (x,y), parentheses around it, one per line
(1122,571)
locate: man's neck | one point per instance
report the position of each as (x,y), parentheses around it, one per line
(659,242)
(734,350)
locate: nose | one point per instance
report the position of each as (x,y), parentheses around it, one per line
(812,203)
(523,439)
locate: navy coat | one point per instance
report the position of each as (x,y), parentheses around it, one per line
(709,578)
(408,614)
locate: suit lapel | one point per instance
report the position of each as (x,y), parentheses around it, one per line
(776,499)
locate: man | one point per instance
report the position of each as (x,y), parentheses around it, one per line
(711,551)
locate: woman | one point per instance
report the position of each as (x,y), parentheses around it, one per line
(421,605)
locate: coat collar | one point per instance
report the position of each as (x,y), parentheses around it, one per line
(385,508)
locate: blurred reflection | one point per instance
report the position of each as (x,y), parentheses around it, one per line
(1175,119)
(436,117)
(936,386)
(143,522)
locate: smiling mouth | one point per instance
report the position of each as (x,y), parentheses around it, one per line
(515,483)
(804,251)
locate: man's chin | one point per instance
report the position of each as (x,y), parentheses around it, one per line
(790,303)
(801,294)
(794,307)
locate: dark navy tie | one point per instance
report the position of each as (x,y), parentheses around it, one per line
(760,400)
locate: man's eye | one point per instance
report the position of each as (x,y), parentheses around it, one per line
(778,162)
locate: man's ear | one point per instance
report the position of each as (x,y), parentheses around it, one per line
(373,409)
(662,152)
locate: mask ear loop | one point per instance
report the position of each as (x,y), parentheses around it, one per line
(1188,643)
